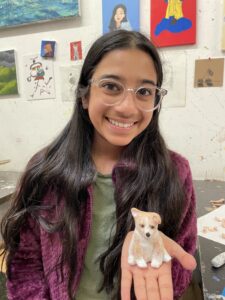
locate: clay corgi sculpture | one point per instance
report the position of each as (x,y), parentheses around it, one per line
(146,244)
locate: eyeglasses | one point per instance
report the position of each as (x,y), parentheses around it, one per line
(112,92)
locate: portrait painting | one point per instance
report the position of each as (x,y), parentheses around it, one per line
(8,78)
(120,14)
(17,13)
(48,48)
(173,22)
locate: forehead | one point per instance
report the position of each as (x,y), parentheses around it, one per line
(146,219)
(129,64)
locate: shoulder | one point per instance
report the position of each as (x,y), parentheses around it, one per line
(181,164)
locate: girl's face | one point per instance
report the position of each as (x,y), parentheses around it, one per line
(119,15)
(116,126)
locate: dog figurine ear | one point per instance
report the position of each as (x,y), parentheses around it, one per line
(134,212)
(157,218)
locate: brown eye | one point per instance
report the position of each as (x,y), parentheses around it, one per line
(142,225)
(152,227)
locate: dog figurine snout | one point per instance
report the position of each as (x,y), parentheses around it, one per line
(148,234)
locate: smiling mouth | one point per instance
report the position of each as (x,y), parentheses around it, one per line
(120,124)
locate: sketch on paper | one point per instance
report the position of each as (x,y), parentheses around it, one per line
(209,72)
(174,79)
(75,50)
(21,12)
(8,79)
(48,48)
(120,14)
(39,78)
(173,22)
(69,79)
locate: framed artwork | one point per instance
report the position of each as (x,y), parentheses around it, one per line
(39,81)
(173,22)
(48,48)
(16,13)
(69,80)
(8,79)
(209,72)
(75,50)
(120,14)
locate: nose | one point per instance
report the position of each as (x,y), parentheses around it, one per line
(128,103)
(148,234)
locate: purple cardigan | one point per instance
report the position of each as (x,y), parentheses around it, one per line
(38,250)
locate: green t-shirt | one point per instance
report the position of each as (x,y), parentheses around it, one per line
(102,228)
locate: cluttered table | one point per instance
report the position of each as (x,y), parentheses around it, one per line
(210,197)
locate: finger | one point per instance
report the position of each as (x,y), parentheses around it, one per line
(139,287)
(166,286)
(152,288)
(126,280)
(175,250)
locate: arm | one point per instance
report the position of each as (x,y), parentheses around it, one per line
(26,278)
(187,236)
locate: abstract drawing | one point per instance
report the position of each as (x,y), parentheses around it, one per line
(39,78)
(69,79)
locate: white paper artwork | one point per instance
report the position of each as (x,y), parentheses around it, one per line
(212,225)
(39,78)
(69,79)
(174,73)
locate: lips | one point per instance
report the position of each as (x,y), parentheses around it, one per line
(121,124)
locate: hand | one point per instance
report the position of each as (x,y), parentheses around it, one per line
(150,283)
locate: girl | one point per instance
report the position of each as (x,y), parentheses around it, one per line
(71,212)
(119,18)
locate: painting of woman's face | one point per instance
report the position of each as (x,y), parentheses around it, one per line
(119,15)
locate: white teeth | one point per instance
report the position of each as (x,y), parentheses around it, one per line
(119,124)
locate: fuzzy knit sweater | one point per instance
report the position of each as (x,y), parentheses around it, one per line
(38,250)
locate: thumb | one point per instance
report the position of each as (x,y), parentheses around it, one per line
(187,260)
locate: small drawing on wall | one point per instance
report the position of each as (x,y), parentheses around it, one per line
(69,79)
(48,48)
(209,72)
(173,22)
(8,79)
(38,78)
(174,79)
(75,50)
(120,14)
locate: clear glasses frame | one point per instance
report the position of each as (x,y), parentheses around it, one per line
(144,95)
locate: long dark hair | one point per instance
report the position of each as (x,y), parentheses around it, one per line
(145,176)
(112,24)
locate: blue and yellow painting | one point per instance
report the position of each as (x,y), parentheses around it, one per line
(20,12)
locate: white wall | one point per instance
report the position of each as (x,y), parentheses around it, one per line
(196,130)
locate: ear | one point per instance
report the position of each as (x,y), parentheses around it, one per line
(157,218)
(85,102)
(134,212)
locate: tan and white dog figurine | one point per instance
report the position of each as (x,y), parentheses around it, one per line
(146,244)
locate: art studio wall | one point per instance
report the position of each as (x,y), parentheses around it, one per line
(192,118)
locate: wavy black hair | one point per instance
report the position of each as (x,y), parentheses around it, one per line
(145,176)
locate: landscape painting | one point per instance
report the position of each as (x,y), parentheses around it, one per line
(173,22)
(21,12)
(8,80)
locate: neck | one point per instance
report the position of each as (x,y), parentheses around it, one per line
(105,156)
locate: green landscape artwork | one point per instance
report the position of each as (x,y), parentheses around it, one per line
(8,80)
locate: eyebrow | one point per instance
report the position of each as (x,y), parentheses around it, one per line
(116,77)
